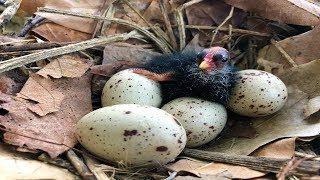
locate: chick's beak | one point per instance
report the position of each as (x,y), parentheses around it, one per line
(204,65)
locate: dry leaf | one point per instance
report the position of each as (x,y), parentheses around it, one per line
(133,54)
(57,33)
(203,169)
(212,13)
(50,99)
(302,82)
(298,12)
(283,148)
(69,98)
(312,107)
(15,165)
(85,25)
(65,66)
(302,48)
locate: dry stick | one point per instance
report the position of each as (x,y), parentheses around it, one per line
(180,21)
(108,14)
(9,12)
(30,24)
(284,53)
(234,30)
(97,171)
(156,31)
(223,22)
(105,7)
(33,46)
(159,43)
(57,162)
(168,24)
(78,164)
(30,58)
(256,163)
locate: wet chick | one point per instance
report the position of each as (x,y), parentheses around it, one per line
(207,74)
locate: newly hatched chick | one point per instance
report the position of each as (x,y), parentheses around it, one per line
(207,74)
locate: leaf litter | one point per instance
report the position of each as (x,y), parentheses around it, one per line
(65,82)
(47,109)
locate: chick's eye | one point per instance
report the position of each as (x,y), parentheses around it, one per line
(224,59)
(200,56)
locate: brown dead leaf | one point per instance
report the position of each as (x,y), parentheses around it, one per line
(302,48)
(298,12)
(203,169)
(283,148)
(302,82)
(67,100)
(57,33)
(212,13)
(85,25)
(65,66)
(111,68)
(114,59)
(133,54)
(15,165)
(312,107)
(50,99)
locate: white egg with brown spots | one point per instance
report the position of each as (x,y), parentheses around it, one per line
(126,87)
(257,93)
(132,134)
(202,120)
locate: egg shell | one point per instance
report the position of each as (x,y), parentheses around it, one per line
(126,87)
(202,120)
(132,134)
(257,93)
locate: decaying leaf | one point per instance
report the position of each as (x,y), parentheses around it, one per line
(60,104)
(302,48)
(302,82)
(283,148)
(65,66)
(15,165)
(212,13)
(203,169)
(119,58)
(80,24)
(57,33)
(312,107)
(299,12)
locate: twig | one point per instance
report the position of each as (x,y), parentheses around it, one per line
(159,43)
(78,164)
(234,30)
(223,22)
(29,25)
(96,170)
(256,163)
(33,46)
(164,12)
(9,12)
(284,53)
(104,9)
(155,30)
(109,14)
(180,21)
(30,58)
(57,162)
(172,176)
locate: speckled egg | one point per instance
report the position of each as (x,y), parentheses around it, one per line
(126,87)
(202,120)
(257,93)
(132,134)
